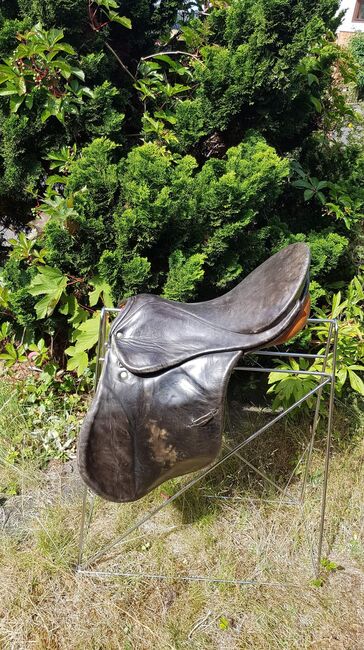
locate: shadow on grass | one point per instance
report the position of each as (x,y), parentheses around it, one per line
(279,452)
(276,453)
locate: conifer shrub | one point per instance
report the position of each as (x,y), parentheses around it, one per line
(169,150)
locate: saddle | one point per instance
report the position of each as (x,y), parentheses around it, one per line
(158,409)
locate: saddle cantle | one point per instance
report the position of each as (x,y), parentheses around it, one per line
(158,408)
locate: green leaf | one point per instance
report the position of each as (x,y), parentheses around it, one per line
(46,279)
(88,92)
(45,306)
(316,103)
(5,92)
(7,73)
(122,20)
(15,103)
(311,78)
(336,304)
(101,289)
(68,49)
(46,114)
(167,59)
(10,353)
(170,91)
(22,86)
(356,382)
(308,194)
(56,178)
(302,183)
(65,68)
(342,376)
(78,361)
(51,282)
(293,363)
(168,116)
(277,376)
(223,623)
(68,306)
(108,4)
(75,85)
(13,355)
(87,334)
(80,316)
(29,100)
(321,185)
(78,73)
(142,88)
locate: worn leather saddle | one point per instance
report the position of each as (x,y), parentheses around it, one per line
(158,408)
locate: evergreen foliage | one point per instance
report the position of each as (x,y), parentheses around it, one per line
(252,72)
(170,157)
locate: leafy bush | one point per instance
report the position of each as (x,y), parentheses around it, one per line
(255,72)
(357,49)
(39,422)
(172,161)
(287,388)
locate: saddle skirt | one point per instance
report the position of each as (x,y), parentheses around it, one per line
(158,408)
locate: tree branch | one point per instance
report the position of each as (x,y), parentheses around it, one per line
(122,65)
(152,56)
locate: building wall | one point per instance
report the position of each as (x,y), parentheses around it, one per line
(348,26)
(343,38)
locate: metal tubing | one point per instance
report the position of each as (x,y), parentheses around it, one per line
(112,310)
(328,448)
(207,471)
(312,373)
(316,418)
(244,460)
(321,320)
(92,506)
(99,347)
(82,528)
(297,355)
(159,576)
(286,502)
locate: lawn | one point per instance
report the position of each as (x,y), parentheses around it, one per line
(254,534)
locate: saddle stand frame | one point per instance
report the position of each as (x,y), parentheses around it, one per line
(85,565)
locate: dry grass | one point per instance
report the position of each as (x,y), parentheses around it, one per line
(45,604)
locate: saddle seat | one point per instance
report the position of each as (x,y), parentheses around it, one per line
(153,333)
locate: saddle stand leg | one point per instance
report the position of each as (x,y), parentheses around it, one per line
(316,417)
(328,448)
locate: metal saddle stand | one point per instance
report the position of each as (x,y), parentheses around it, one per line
(88,566)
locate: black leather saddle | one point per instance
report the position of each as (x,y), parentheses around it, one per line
(158,408)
